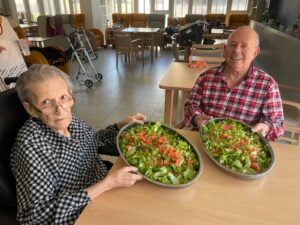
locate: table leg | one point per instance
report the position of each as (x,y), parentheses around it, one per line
(152,48)
(185,95)
(168,106)
(174,108)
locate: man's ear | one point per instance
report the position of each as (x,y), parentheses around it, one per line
(30,110)
(256,52)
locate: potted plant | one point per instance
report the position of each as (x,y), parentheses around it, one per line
(267,16)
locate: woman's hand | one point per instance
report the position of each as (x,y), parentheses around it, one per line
(136,118)
(124,177)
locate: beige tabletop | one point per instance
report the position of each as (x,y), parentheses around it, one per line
(217,198)
(178,77)
(146,33)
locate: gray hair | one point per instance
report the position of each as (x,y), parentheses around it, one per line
(245,27)
(38,73)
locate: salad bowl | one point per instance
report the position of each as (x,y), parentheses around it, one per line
(234,148)
(162,155)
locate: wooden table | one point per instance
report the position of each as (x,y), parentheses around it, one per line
(217,198)
(178,77)
(145,33)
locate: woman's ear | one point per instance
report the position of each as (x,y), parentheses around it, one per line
(30,110)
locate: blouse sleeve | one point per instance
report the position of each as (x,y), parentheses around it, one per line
(39,200)
(108,135)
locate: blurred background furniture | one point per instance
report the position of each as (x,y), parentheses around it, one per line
(210,54)
(37,57)
(190,18)
(128,48)
(291,109)
(96,35)
(237,20)
(139,20)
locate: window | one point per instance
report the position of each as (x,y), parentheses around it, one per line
(34,10)
(20,9)
(161,5)
(199,7)
(123,6)
(76,6)
(181,8)
(219,6)
(49,7)
(144,6)
(239,5)
(64,6)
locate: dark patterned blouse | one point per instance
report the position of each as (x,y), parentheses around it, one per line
(53,171)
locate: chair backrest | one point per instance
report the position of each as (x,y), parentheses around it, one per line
(20,32)
(138,20)
(123,42)
(156,20)
(190,18)
(42,25)
(12,117)
(211,54)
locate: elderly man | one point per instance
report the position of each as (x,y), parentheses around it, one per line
(237,89)
(54,159)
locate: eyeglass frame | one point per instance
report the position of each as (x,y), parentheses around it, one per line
(54,107)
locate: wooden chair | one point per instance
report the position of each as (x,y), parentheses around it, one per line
(291,109)
(127,47)
(180,52)
(20,32)
(211,54)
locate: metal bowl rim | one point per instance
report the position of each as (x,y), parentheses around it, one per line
(200,169)
(235,173)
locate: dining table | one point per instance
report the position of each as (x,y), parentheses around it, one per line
(179,78)
(146,34)
(215,198)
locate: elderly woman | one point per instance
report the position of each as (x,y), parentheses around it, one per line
(54,159)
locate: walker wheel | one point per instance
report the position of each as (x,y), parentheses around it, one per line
(98,76)
(88,83)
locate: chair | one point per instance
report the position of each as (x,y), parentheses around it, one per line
(237,20)
(96,35)
(190,18)
(12,117)
(158,21)
(211,54)
(139,20)
(179,52)
(20,32)
(127,47)
(36,57)
(291,109)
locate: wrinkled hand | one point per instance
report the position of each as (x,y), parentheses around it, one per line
(124,177)
(261,128)
(201,119)
(135,118)
(2,48)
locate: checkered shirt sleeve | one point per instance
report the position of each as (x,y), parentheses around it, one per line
(52,172)
(255,99)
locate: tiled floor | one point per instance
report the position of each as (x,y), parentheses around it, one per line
(123,90)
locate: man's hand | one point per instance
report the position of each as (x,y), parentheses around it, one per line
(136,118)
(201,119)
(261,128)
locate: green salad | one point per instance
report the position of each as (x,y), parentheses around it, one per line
(235,146)
(159,153)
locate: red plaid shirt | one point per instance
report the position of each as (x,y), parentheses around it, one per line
(255,99)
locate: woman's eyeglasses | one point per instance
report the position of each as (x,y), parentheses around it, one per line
(49,106)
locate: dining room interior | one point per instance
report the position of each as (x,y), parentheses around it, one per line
(154,76)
